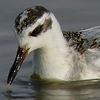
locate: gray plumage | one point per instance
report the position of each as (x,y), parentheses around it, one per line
(84,39)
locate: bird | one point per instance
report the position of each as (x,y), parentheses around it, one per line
(58,55)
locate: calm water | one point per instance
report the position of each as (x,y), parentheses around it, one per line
(72,15)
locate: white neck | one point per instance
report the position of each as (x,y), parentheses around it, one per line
(50,61)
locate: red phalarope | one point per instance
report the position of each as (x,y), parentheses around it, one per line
(67,56)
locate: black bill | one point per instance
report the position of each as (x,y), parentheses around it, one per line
(20,56)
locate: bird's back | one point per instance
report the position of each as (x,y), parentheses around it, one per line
(86,45)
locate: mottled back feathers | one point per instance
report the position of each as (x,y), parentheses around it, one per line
(85,39)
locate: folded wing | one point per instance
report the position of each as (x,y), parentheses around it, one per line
(84,39)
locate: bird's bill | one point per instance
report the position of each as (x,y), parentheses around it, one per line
(20,56)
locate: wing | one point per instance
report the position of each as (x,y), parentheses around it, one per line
(84,39)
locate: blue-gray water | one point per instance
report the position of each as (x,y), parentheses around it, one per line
(73,15)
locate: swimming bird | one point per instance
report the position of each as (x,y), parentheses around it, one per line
(58,55)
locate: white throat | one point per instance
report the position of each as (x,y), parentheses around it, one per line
(50,61)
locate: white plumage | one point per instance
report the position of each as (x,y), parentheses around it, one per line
(58,55)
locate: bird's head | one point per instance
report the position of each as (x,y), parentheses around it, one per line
(33,28)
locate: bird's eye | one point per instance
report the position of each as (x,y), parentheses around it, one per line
(36,31)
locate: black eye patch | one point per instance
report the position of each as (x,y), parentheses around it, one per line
(36,31)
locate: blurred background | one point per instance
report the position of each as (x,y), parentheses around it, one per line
(73,15)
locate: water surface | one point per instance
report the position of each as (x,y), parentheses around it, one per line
(73,15)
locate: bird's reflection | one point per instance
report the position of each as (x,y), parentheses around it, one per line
(43,90)
(64,90)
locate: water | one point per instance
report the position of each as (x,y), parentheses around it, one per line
(73,15)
